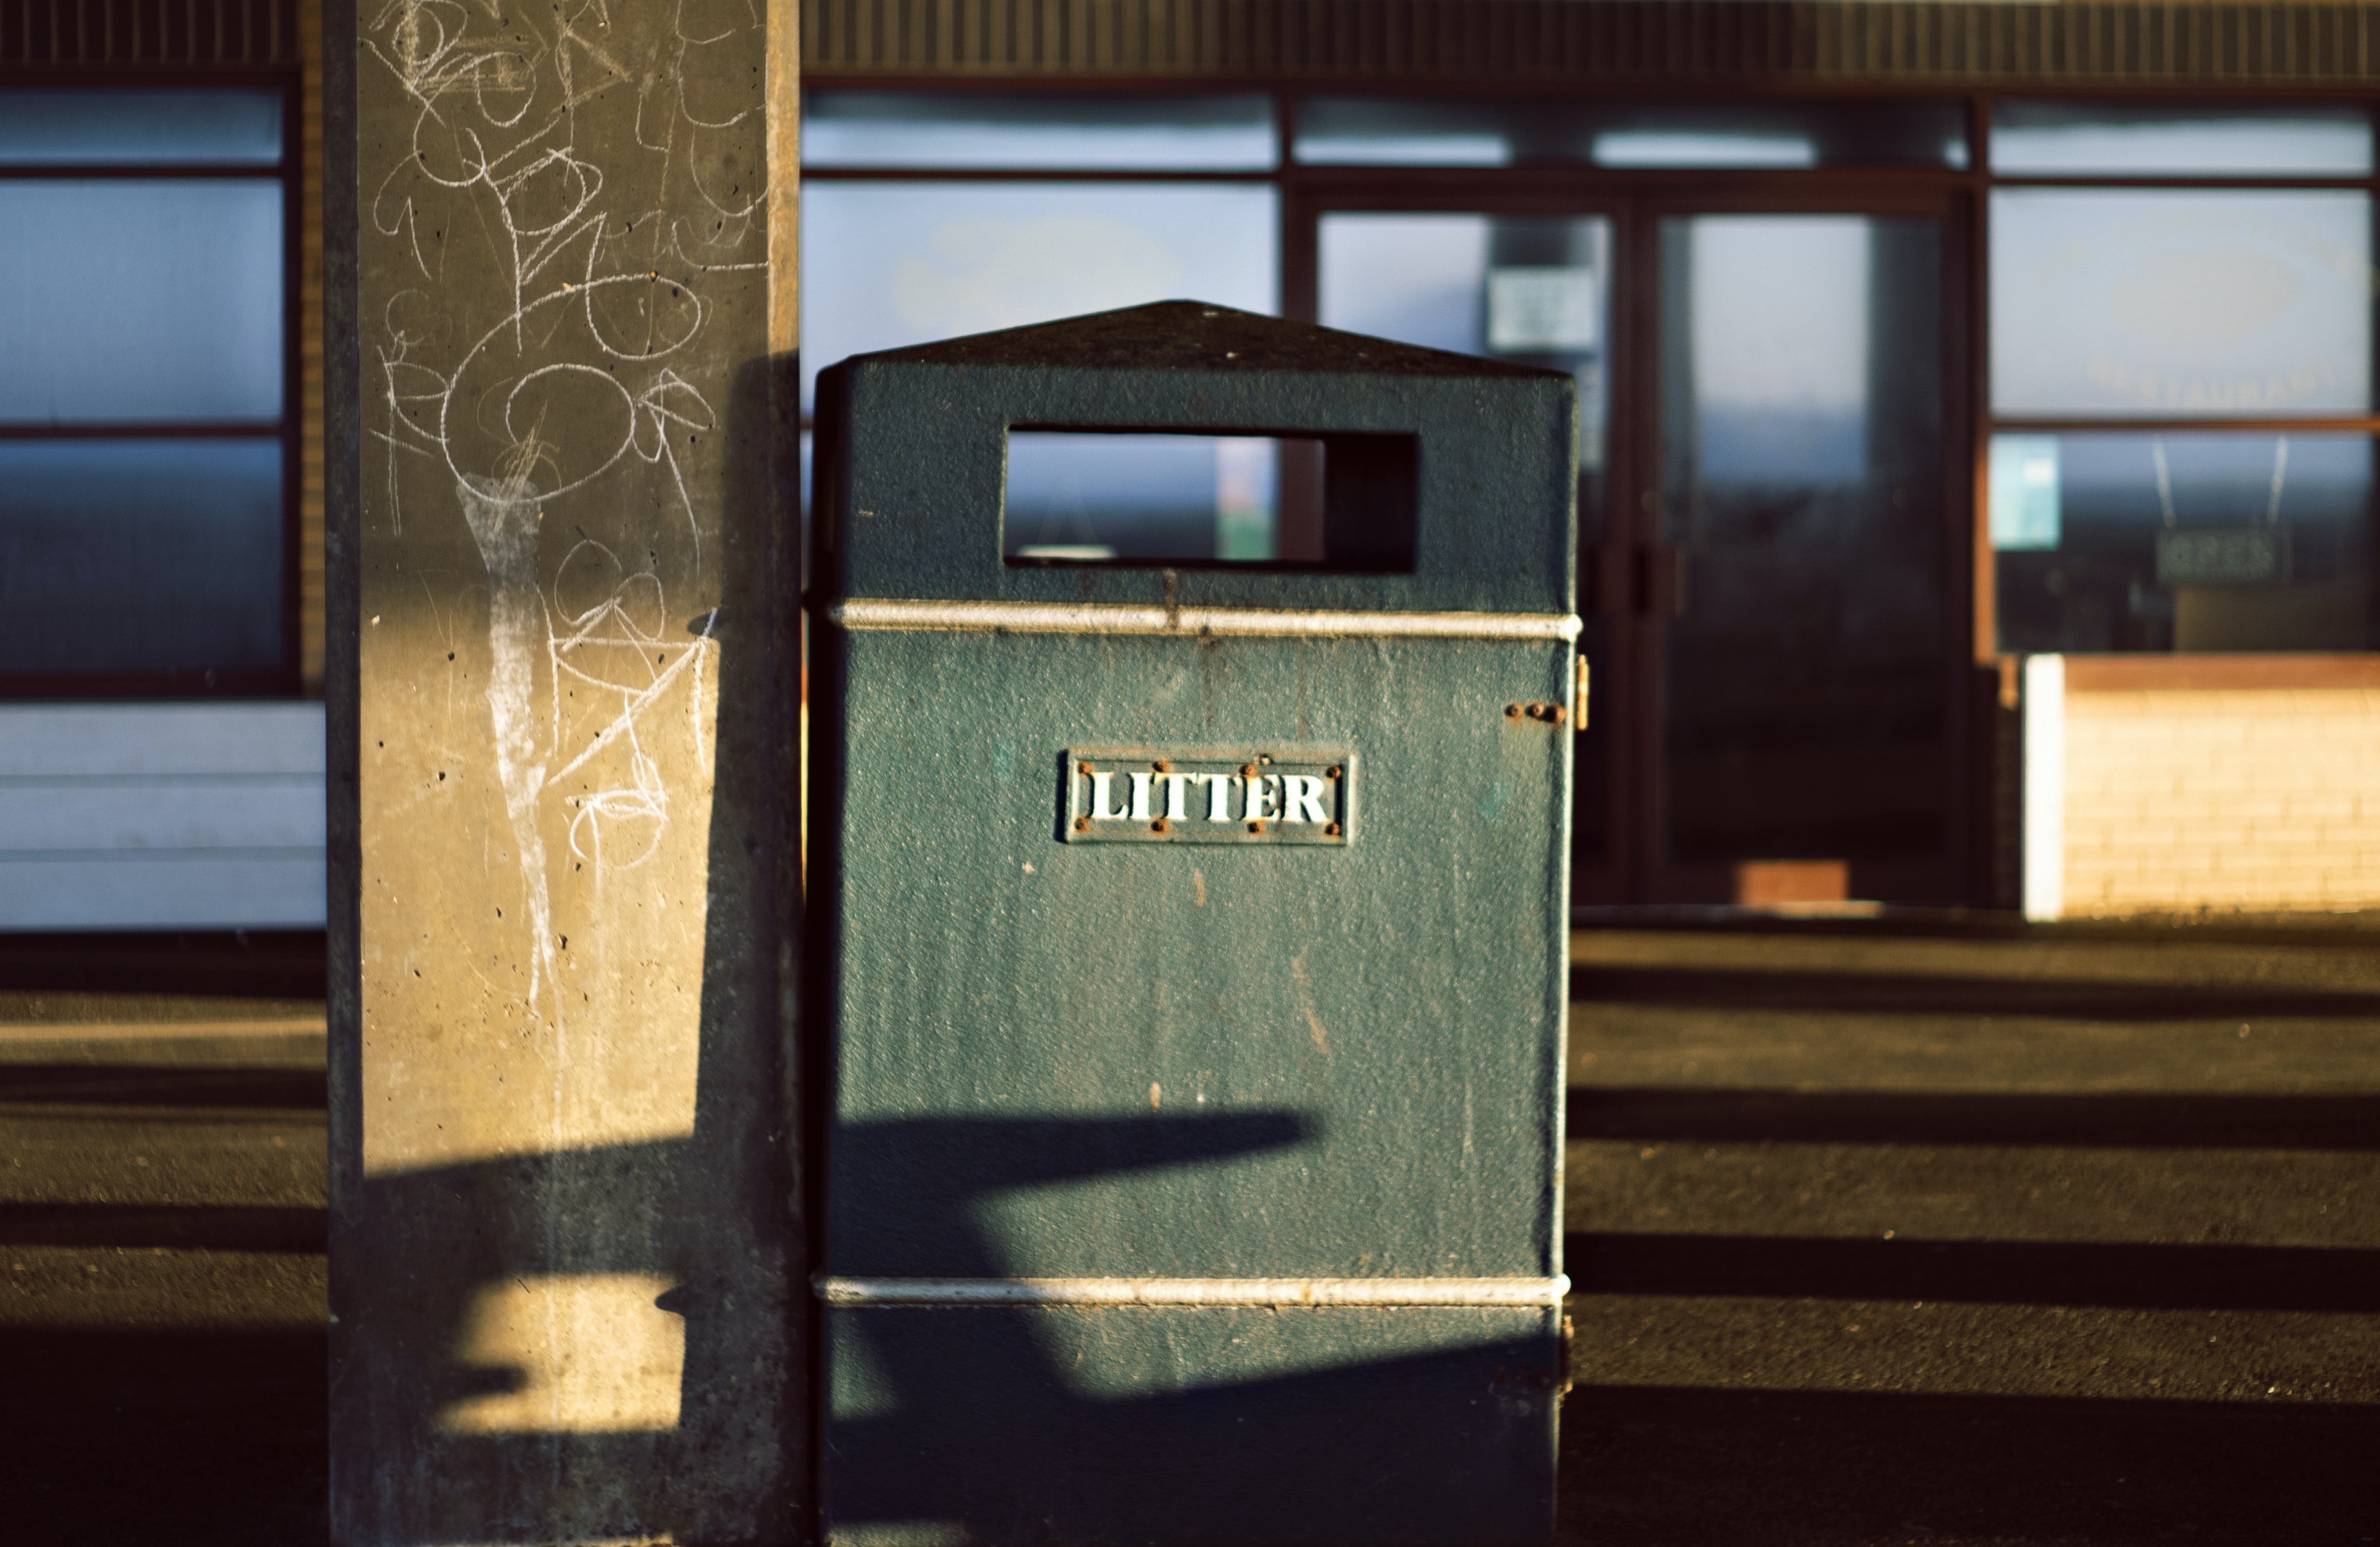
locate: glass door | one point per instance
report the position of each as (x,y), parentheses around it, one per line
(1799,742)
(1772,521)
(1535,290)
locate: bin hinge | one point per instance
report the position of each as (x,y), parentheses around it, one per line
(1578,697)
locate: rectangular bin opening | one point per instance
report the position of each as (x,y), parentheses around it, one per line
(1137,499)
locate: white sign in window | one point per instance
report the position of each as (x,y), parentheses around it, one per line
(2024,493)
(1541,309)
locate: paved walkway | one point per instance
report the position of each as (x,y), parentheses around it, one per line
(162,1282)
(2030,1241)
(2050,1240)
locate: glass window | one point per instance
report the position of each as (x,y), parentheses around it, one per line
(129,300)
(1076,498)
(1372,131)
(2205,540)
(45,126)
(1802,487)
(2069,139)
(1537,291)
(2153,303)
(141,557)
(1417,278)
(1778,348)
(1144,133)
(144,468)
(887,265)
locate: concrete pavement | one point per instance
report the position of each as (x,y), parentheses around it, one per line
(2054,1238)
(163,1284)
(2065,1237)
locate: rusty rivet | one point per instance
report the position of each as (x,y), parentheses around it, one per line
(1512,712)
(1256,827)
(1162,766)
(1331,828)
(1158,827)
(1247,771)
(1264,757)
(1082,824)
(1331,771)
(1556,713)
(1082,768)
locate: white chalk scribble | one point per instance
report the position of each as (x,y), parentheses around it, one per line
(534,413)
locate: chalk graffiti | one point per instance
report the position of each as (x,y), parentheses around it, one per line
(503,515)
(535,411)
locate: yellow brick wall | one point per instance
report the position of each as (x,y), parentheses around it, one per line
(2260,799)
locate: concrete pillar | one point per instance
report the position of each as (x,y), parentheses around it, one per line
(564,883)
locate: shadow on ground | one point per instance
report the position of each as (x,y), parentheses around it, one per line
(163,1438)
(202,1438)
(1665,1467)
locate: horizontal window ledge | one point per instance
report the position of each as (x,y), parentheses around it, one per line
(2211,673)
(88,172)
(142,430)
(2347,424)
(313,853)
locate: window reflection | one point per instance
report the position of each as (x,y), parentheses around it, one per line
(81,126)
(1378,131)
(888,264)
(132,301)
(1138,133)
(1536,291)
(2146,303)
(1530,290)
(2195,541)
(1706,148)
(1779,350)
(140,557)
(1089,498)
(1801,486)
(2047,139)
(1415,278)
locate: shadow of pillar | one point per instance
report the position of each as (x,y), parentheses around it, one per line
(439,1240)
(417,1255)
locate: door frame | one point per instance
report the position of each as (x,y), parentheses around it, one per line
(1600,589)
(1623,580)
(1656,878)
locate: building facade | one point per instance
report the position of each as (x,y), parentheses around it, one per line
(1978,417)
(1924,352)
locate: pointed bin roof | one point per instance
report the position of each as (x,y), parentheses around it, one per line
(1195,336)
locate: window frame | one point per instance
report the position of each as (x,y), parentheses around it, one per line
(1308,190)
(1976,674)
(285,430)
(1988,422)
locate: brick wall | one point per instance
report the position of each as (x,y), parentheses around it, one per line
(2222,783)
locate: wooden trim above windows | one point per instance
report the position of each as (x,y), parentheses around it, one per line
(2154,673)
(132,35)
(1644,42)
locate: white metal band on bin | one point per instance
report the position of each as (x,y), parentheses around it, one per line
(1193,1291)
(1102,618)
